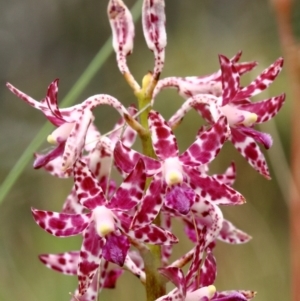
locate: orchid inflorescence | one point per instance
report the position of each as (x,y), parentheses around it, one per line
(129,227)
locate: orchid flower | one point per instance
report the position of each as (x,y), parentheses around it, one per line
(72,123)
(193,287)
(241,113)
(106,229)
(177,176)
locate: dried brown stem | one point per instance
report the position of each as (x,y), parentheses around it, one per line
(291,54)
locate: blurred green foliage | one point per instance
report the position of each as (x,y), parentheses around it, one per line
(43,40)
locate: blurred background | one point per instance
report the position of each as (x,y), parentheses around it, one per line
(43,40)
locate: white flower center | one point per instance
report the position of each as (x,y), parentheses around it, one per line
(104,220)
(61,133)
(237,116)
(207,291)
(172,171)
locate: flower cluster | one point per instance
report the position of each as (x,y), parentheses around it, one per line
(128,227)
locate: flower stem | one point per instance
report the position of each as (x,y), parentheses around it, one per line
(155,286)
(283,10)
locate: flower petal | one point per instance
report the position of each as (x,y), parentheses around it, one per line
(61,224)
(212,190)
(122,26)
(230,80)
(248,148)
(131,190)
(263,138)
(115,248)
(151,203)
(208,272)
(232,235)
(126,159)
(262,82)
(76,140)
(207,146)
(88,190)
(266,109)
(65,263)
(163,140)
(228,177)
(176,276)
(153,234)
(90,256)
(43,160)
(179,198)
(154,28)
(71,204)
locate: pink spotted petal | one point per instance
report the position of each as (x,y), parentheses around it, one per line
(207,146)
(166,250)
(266,109)
(53,167)
(100,158)
(230,80)
(51,100)
(122,220)
(92,137)
(115,248)
(65,263)
(131,190)
(153,234)
(127,158)
(197,260)
(248,148)
(61,224)
(43,160)
(208,216)
(245,67)
(91,292)
(262,82)
(232,235)
(107,279)
(122,31)
(76,140)
(208,270)
(137,259)
(163,139)
(204,104)
(112,186)
(112,277)
(228,177)
(264,138)
(37,105)
(71,204)
(154,28)
(88,190)
(176,276)
(233,296)
(151,203)
(214,191)
(136,268)
(90,256)
(191,86)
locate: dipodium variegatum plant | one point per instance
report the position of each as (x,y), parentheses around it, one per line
(129,227)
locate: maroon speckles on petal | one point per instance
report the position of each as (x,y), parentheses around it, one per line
(250,152)
(56,223)
(163,139)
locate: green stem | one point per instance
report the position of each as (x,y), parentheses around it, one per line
(89,73)
(155,286)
